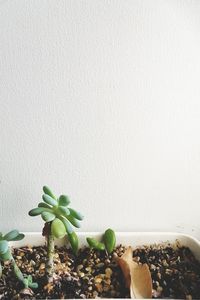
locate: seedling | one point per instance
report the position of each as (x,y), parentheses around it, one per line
(108,244)
(6,254)
(59,221)
(109,239)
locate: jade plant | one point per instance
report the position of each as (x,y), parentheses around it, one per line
(59,221)
(6,255)
(108,243)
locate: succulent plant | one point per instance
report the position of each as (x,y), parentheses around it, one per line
(6,254)
(59,221)
(108,244)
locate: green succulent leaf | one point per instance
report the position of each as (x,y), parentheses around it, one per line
(76,214)
(73,239)
(33,285)
(3,247)
(73,221)
(63,200)
(49,200)
(67,225)
(47,191)
(44,205)
(36,211)
(18,273)
(95,244)
(58,228)
(6,256)
(10,236)
(19,237)
(47,216)
(62,210)
(109,240)
(1,235)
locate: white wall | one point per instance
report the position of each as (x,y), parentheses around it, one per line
(101,100)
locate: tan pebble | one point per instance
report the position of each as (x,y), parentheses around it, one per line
(107,261)
(42,266)
(81,274)
(88,269)
(32,262)
(159,289)
(153,267)
(95,294)
(108,272)
(98,280)
(74,273)
(165,264)
(79,267)
(107,281)
(159,275)
(90,288)
(99,287)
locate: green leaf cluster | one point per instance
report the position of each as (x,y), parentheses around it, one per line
(14,235)
(57,212)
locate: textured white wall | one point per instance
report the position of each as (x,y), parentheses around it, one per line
(101,100)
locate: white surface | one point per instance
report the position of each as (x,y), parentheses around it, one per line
(133,239)
(101,100)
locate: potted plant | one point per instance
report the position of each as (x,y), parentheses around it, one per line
(95,265)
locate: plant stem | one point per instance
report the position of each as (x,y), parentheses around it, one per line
(50,255)
(17,271)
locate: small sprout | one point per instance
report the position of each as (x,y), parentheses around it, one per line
(59,221)
(109,239)
(94,244)
(5,254)
(108,244)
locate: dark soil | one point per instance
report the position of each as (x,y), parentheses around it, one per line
(93,274)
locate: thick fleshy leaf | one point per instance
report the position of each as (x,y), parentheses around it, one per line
(67,225)
(73,239)
(74,221)
(137,276)
(36,211)
(18,273)
(6,256)
(10,236)
(49,200)
(63,200)
(45,205)
(3,247)
(47,191)
(57,228)
(76,214)
(19,237)
(93,243)
(1,235)
(33,285)
(109,239)
(64,211)
(47,216)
